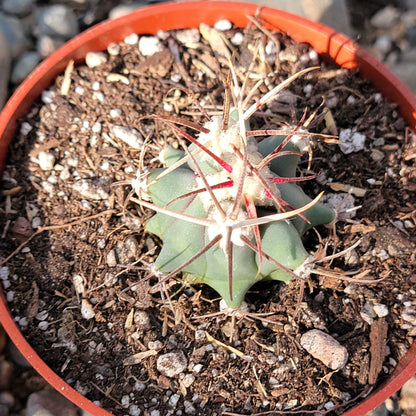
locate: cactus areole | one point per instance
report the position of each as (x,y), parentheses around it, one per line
(228,207)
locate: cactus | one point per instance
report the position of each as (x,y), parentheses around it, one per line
(229,209)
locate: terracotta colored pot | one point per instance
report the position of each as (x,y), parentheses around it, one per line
(331,45)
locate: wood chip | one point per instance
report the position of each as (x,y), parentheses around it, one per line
(66,83)
(378,340)
(139,357)
(129,320)
(337,186)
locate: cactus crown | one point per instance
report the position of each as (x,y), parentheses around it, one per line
(228,207)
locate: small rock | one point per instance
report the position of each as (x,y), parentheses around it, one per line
(113,49)
(14,33)
(172,363)
(131,39)
(17,357)
(127,250)
(325,349)
(377,155)
(18,8)
(384,44)
(343,202)
(22,226)
(112,258)
(46,160)
(24,65)
(97,189)
(188,37)
(223,25)
(134,410)
(6,372)
(142,320)
(351,141)
(411,35)
(381,310)
(46,45)
(408,404)
(409,388)
(57,20)
(5,60)
(385,18)
(93,59)
(128,135)
(123,9)
(237,39)
(49,403)
(188,380)
(149,45)
(189,407)
(7,399)
(87,310)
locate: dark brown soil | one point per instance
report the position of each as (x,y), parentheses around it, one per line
(244,365)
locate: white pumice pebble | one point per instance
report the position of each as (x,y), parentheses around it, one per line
(351,141)
(113,49)
(381,310)
(237,39)
(94,59)
(46,160)
(128,135)
(223,25)
(87,310)
(131,39)
(149,45)
(325,348)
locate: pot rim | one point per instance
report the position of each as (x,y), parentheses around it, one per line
(164,16)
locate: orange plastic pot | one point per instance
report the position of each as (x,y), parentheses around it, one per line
(332,46)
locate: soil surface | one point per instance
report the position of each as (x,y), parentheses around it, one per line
(78,258)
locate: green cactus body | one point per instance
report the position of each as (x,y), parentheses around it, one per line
(183,240)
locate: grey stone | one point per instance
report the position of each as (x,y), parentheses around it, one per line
(127,250)
(18,7)
(123,9)
(411,35)
(92,189)
(384,43)
(49,403)
(46,45)
(57,20)
(14,33)
(379,411)
(24,65)
(5,59)
(405,69)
